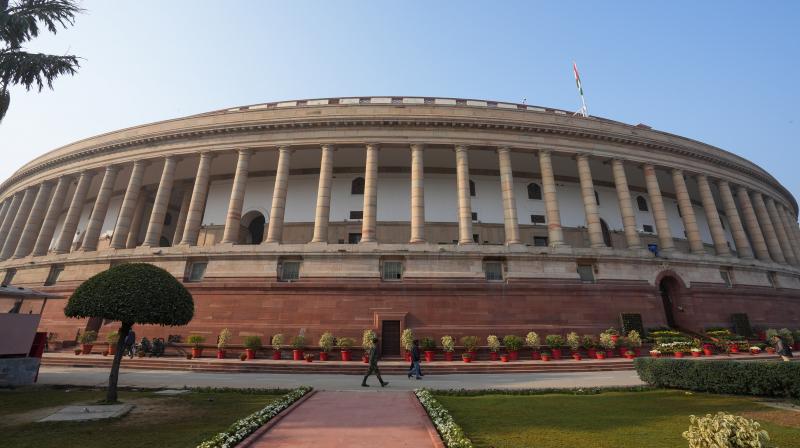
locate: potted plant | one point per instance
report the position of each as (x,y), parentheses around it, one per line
(298,344)
(223,340)
(493,342)
(607,343)
(629,354)
(532,341)
(755,350)
(466,356)
(197,345)
(367,344)
(308,357)
(277,343)
(613,333)
(504,357)
(770,349)
(344,345)
(554,341)
(513,343)
(470,344)
(589,344)
(448,346)
(87,339)
(407,342)
(696,352)
(655,353)
(574,344)
(429,347)
(78,351)
(325,345)
(634,341)
(545,355)
(708,349)
(112,339)
(251,344)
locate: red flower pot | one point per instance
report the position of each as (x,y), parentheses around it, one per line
(708,351)
(493,356)
(536,355)
(655,355)
(609,353)
(513,355)
(679,354)
(429,355)
(276,355)
(197,352)
(545,358)
(345,355)
(504,358)
(323,356)
(112,348)
(576,356)
(600,355)
(408,356)
(297,355)
(365,359)
(696,354)
(220,354)
(591,352)
(629,356)
(556,353)
(771,350)
(734,349)
(448,356)
(86,348)
(466,358)
(251,354)
(615,338)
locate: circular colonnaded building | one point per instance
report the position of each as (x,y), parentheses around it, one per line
(448,216)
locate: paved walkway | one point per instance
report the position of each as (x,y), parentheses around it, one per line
(80,376)
(354,420)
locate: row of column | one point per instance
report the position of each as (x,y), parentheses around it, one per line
(28,219)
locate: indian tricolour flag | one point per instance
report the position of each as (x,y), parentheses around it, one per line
(577,78)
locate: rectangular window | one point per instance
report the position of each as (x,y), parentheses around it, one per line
(537,219)
(493,270)
(356,214)
(392,270)
(197,270)
(474,216)
(9,277)
(52,277)
(727,278)
(647,228)
(540,241)
(289,271)
(353,238)
(586,272)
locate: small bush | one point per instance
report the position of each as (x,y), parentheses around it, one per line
(775,379)
(345,343)
(277,341)
(428,344)
(725,431)
(407,339)
(513,343)
(87,337)
(326,341)
(113,337)
(532,340)
(554,340)
(493,342)
(196,340)
(470,343)
(224,339)
(252,342)
(573,341)
(606,341)
(299,342)
(366,340)
(448,344)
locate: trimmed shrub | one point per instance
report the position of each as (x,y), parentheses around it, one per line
(725,431)
(775,379)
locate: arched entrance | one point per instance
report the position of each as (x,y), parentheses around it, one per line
(253,223)
(606,232)
(669,289)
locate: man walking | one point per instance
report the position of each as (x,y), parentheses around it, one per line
(130,343)
(373,365)
(782,348)
(415,368)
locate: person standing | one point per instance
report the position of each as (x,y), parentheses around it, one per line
(130,343)
(782,348)
(415,367)
(373,365)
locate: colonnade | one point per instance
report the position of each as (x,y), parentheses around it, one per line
(28,218)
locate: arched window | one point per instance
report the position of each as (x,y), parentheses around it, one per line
(357,187)
(471,188)
(596,197)
(534,191)
(642,204)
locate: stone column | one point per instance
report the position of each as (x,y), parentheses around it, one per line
(155,226)
(590,202)
(712,216)
(687,213)
(122,229)
(625,204)
(9,218)
(750,220)
(51,217)
(659,213)
(182,213)
(4,209)
(35,219)
(555,233)
(136,224)
(789,227)
(509,204)
(770,235)
(370,208)
(783,237)
(278,209)
(67,235)
(743,248)
(417,193)
(233,220)
(18,224)
(464,203)
(323,209)
(95,225)
(197,205)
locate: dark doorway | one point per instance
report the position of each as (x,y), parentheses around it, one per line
(668,289)
(606,233)
(256,229)
(390,338)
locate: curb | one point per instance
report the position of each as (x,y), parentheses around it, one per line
(252,438)
(435,438)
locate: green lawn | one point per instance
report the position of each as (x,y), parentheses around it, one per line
(156,421)
(649,419)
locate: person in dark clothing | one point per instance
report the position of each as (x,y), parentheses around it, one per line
(130,343)
(373,365)
(782,348)
(415,367)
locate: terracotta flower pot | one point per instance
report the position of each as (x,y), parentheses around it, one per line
(365,359)
(220,354)
(345,355)
(576,356)
(556,353)
(86,348)
(513,355)
(696,354)
(467,358)
(493,356)
(297,355)
(251,354)
(708,351)
(448,356)
(600,355)
(545,358)
(679,354)
(276,355)
(591,352)
(755,352)
(615,337)
(734,349)
(323,356)
(655,355)
(408,356)
(771,350)
(535,355)
(197,352)
(112,348)
(429,355)
(609,353)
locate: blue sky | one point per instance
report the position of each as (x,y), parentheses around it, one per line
(719,72)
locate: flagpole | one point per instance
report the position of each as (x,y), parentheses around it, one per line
(584,111)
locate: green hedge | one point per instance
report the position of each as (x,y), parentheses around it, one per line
(775,379)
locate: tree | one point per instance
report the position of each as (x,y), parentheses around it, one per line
(19,23)
(132,293)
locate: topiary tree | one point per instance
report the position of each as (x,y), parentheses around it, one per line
(131,293)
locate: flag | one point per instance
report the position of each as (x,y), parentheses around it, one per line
(577,78)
